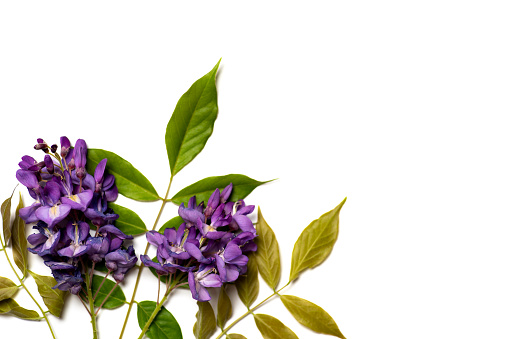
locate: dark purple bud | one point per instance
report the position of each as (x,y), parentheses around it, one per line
(71,164)
(54,148)
(48,162)
(65,146)
(41,144)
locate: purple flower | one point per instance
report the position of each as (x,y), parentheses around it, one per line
(98,247)
(68,281)
(79,201)
(78,233)
(120,262)
(116,237)
(198,281)
(170,249)
(45,241)
(229,262)
(52,212)
(239,212)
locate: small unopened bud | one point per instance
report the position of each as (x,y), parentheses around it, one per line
(54,148)
(80,172)
(71,165)
(41,144)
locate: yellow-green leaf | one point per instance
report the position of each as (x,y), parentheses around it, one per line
(11,307)
(235,336)
(205,326)
(273,328)
(224,308)
(192,122)
(19,243)
(316,242)
(311,315)
(247,285)
(267,254)
(7,288)
(52,297)
(5,210)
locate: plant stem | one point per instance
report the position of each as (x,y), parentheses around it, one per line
(142,266)
(26,289)
(102,283)
(158,308)
(251,310)
(90,301)
(107,297)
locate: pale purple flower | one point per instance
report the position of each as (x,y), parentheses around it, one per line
(204,277)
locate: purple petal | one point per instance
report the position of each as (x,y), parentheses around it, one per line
(27,178)
(211,280)
(191,216)
(52,215)
(155,238)
(79,201)
(244,223)
(231,251)
(99,171)
(28,213)
(226,192)
(51,193)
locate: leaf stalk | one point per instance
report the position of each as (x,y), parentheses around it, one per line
(141,266)
(250,310)
(26,289)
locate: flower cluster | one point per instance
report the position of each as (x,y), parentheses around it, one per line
(68,201)
(209,245)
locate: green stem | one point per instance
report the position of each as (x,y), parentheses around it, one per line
(251,310)
(26,289)
(142,266)
(158,308)
(91,302)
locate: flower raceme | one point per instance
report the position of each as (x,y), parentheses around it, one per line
(209,246)
(67,201)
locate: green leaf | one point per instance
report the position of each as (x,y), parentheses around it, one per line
(7,288)
(272,328)
(172,223)
(11,307)
(19,243)
(129,222)
(205,326)
(316,242)
(192,122)
(164,326)
(116,299)
(235,336)
(311,315)
(130,182)
(267,254)
(224,308)
(203,189)
(6,218)
(52,297)
(247,285)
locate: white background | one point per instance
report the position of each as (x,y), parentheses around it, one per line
(398,105)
